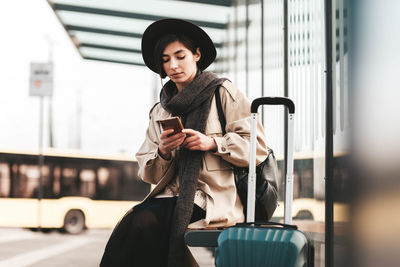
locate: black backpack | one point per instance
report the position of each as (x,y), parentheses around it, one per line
(266,180)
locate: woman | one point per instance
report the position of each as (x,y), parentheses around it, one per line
(192,170)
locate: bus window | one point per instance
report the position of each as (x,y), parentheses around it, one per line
(103,175)
(56,181)
(29,181)
(103,190)
(4,180)
(88,186)
(67,182)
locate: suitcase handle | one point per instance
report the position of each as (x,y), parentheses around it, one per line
(272,101)
(284,225)
(289,160)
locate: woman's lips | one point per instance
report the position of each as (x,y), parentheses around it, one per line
(176,75)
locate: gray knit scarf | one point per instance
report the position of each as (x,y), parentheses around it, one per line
(192,104)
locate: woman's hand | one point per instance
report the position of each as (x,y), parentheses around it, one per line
(198,141)
(169,143)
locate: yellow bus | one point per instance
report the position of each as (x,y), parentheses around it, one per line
(309,188)
(312,209)
(77,191)
(80,191)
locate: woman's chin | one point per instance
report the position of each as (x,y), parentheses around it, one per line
(179,80)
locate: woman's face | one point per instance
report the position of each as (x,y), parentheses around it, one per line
(180,64)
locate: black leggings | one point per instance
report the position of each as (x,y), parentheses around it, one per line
(142,236)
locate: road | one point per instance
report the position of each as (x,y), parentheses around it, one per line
(23,247)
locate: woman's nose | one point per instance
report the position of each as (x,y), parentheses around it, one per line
(173,63)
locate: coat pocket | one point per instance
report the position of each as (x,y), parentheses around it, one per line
(216,163)
(213,127)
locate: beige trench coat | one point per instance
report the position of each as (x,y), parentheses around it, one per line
(216,180)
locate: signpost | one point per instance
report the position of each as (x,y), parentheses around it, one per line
(41,84)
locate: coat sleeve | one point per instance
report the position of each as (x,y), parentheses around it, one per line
(152,167)
(234,146)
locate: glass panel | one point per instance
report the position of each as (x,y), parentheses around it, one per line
(306,88)
(374,84)
(109,40)
(112,55)
(120,24)
(104,22)
(306,63)
(254,50)
(341,132)
(175,9)
(273,72)
(235,46)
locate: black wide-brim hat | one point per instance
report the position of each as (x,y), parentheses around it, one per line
(176,26)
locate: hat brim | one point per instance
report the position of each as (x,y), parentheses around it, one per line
(176,26)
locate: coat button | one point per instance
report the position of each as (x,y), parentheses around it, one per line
(223,149)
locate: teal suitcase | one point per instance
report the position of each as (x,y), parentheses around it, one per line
(266,244)
(263,245)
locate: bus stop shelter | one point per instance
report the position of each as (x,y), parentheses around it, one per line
(111,31)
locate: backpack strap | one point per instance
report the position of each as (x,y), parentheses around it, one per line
(221,115)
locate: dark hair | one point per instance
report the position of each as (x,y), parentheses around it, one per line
(164,41)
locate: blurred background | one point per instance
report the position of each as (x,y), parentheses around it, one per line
(90,98)
(75,96)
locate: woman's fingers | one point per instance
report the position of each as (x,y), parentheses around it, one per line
(175,143)
(191,139)
(169,143)
(192,145)
(189,131)
(175,138)
(198,141)
(164,134)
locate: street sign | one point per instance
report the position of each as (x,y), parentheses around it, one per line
(41,81)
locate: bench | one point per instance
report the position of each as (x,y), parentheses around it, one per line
(209,237)
(202,237)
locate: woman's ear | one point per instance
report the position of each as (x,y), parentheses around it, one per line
(197,55)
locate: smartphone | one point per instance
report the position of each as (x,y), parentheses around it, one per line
(172,123)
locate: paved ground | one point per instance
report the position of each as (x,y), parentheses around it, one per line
(22,247)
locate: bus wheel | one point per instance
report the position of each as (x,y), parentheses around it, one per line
(304,215)
(46,230)
(74,222)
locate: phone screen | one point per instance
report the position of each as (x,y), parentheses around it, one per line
(172,123)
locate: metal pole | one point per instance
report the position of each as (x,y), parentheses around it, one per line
(78,143)
(285,50)
(329,138)
(51,139)
(41,160)
(236,42)
(262,56)
(285,76)
(247,48)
